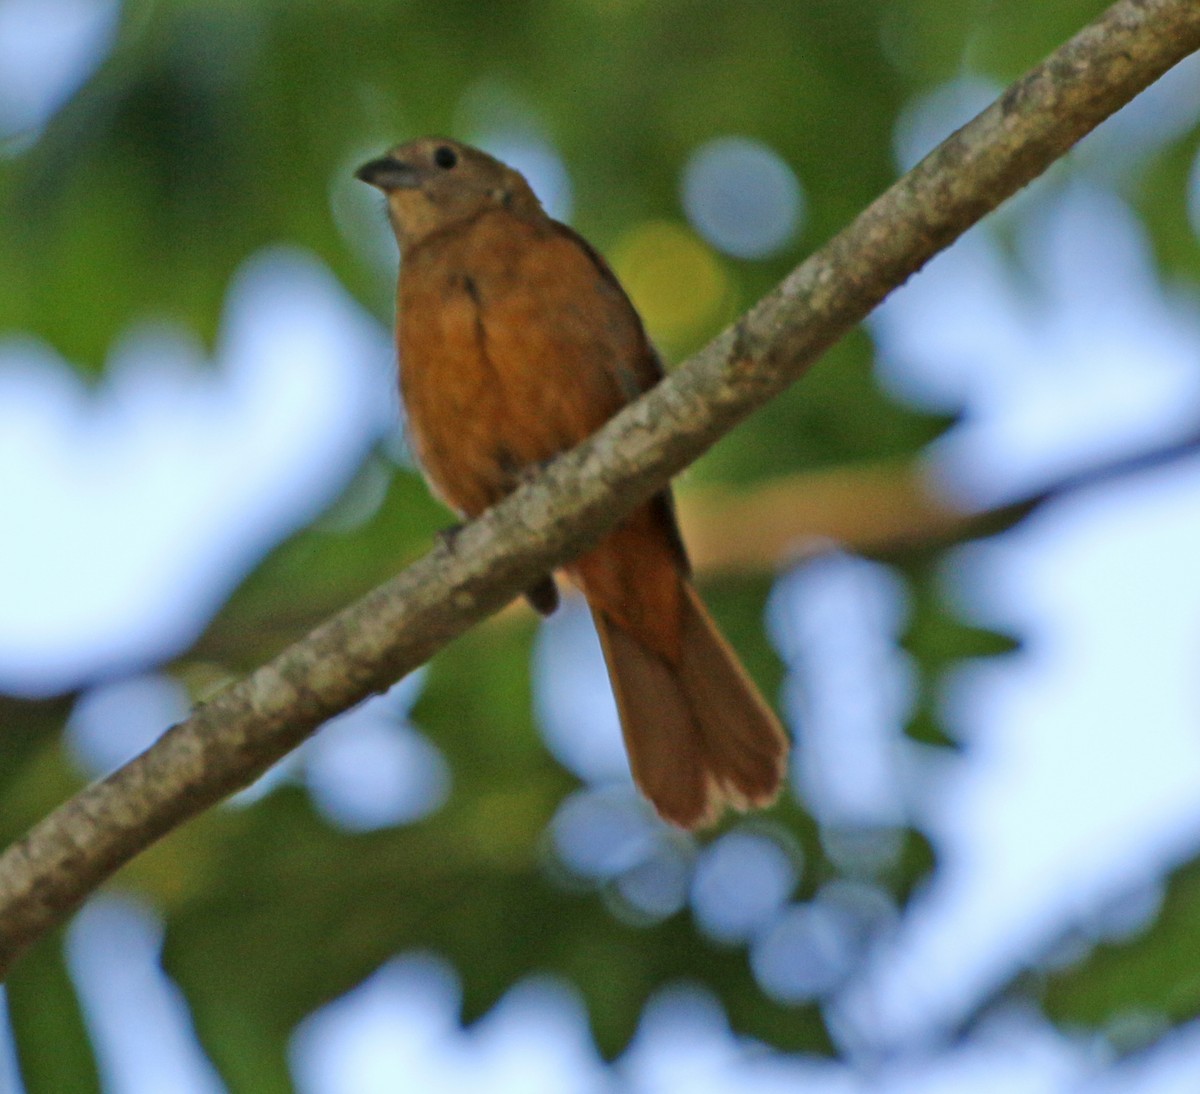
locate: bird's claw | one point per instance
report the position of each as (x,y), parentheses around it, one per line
(531,471)
(447,537)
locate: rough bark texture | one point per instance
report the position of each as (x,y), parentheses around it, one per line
(232,739)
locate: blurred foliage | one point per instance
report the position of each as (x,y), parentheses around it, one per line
(26,724)
(937,640)
(211,130)
(52,1043)
(332,566)
(1155,974)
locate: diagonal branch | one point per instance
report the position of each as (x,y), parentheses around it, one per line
(230,740)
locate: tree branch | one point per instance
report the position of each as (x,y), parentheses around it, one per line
(230,740)
(883,510)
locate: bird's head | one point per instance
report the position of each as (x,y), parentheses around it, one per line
(433,182)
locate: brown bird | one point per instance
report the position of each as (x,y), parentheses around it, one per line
(516,342)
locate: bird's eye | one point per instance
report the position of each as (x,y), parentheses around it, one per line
(445,157)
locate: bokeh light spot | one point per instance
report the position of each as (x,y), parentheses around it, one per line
(658,887)
(742,197)
(600,834)
(138,1020)
(741,883)
(806,954)
(115,721)
(369,769)
(675,281)
(48,48)
(573,698)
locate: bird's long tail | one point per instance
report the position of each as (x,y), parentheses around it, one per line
(698,733)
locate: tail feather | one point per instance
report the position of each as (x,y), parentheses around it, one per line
(698,733)
(745,745)
(660,734)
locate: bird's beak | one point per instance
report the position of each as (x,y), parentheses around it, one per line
(388,173)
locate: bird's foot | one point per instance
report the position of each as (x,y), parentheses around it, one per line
(543,597)
(525,475)
(447,537)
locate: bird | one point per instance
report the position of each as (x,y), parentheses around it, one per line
(515,342)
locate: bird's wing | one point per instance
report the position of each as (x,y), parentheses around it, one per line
(645,367)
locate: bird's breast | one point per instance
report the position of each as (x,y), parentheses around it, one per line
(507,356)
(453,398)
